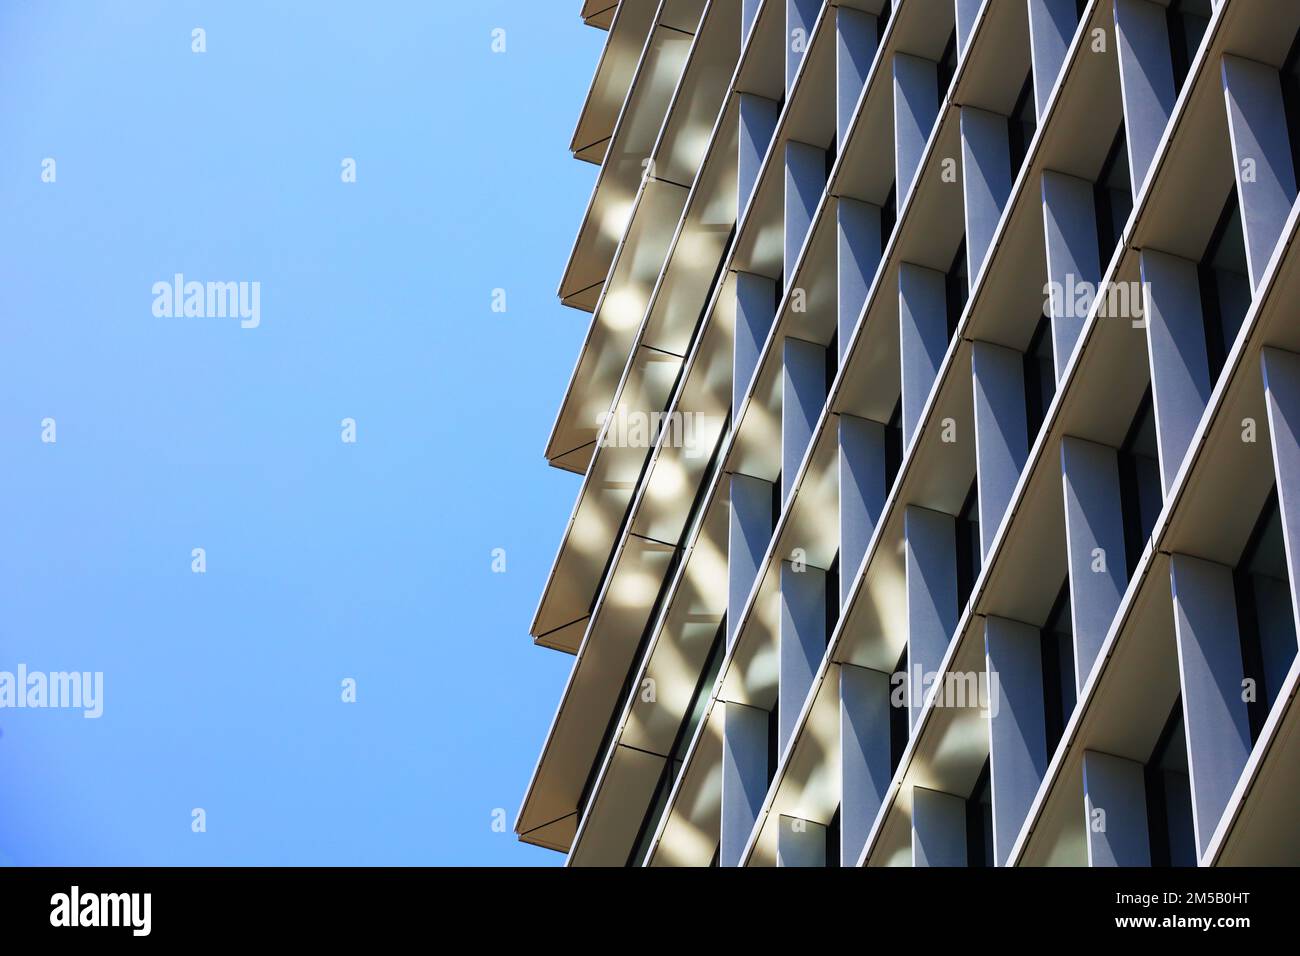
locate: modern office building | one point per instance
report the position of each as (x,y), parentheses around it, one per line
(939,433)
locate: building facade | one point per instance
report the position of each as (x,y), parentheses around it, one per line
(939,432)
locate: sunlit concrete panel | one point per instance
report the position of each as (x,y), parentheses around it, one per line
(805,181)
(1180,370)
(916,104)
(1257,125)
(1146,77)
(1115,808)
(755,313)
(864,755)
(803,393)
(862,492)
(931,572)
(986,180)
(1210,668)
(800,842)
(857,257)
(938,828)
(801,643)
(1094,542)
(1001,433)
(923,337)
(855,48)
(1070,225)
(1051,25)
(1282,390)
(758,116)
(1017,736)
(800,18)
(744,777)
(750,531)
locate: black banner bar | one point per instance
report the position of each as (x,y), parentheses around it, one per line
(335,905)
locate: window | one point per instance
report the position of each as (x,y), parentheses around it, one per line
(1291,101)
(1021,125)
(956,288)
(888,216)
(894,445)
(969,556)
(1058,669)
(1264,614)
(833,840)
(900,720)
(1040,378)
(979,822)
(1112,197)
(833,595)
(882,19)
(1186,21)
(773,735)
(947,64)
(1141,497)
(832,364)
(1224,286)
(1169,797)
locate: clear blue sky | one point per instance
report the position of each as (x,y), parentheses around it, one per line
(325,560)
